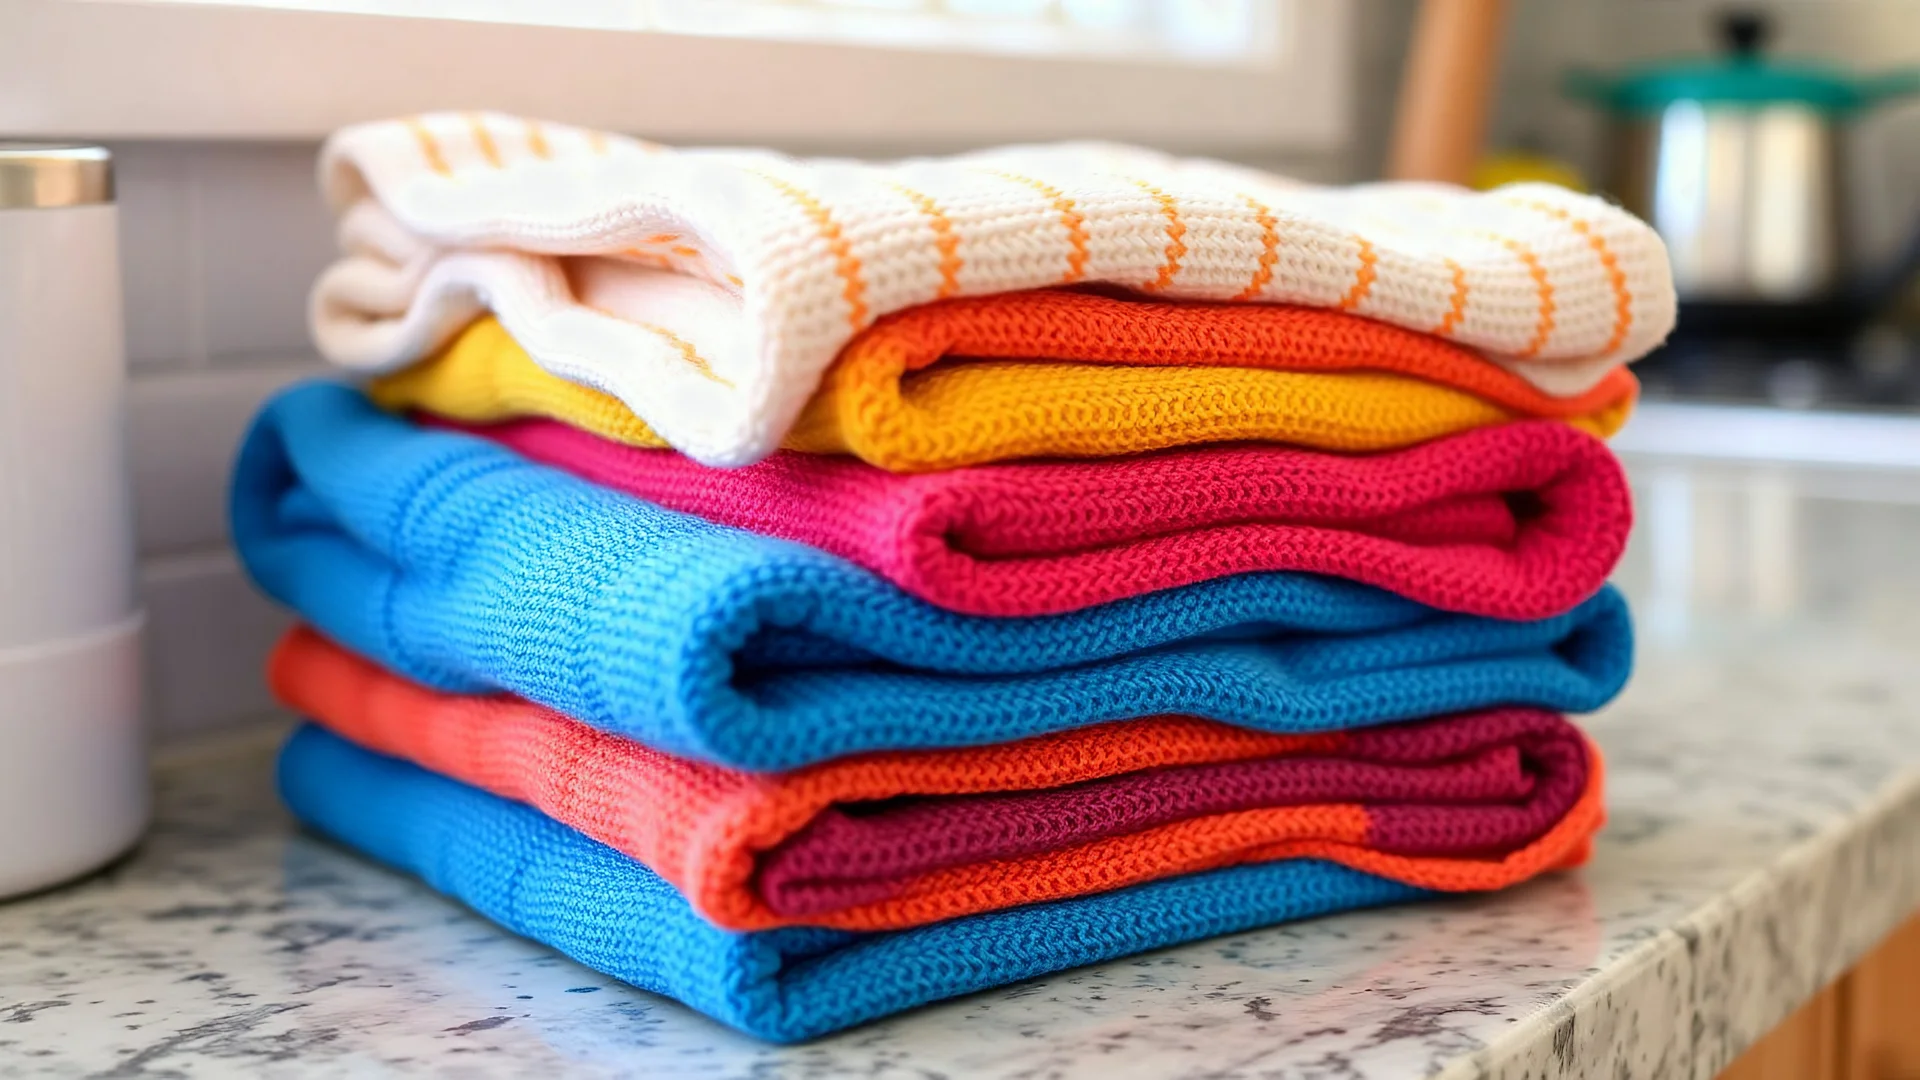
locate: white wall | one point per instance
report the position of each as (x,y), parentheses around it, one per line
(218,246)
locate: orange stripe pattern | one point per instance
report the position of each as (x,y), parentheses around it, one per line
(1176,236)
(1542,287)
(1457,310)
(682,345)
(1616,277)
(537,141)
(846,264)
(1070,216)
(429,146)
(1269,249)
(483,139)
(1363,277)
(945,240)
(698,362)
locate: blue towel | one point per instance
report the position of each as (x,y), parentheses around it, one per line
(460,565)
(545,881)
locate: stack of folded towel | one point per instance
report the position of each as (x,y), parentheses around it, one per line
(811,589)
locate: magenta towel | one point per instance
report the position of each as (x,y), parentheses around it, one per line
(1519,521)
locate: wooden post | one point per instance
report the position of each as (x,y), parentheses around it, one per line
(1440,127)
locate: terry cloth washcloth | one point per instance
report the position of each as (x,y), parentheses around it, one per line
(1064,374)
(459,564)
(542,880)
(709,289)
(884,841)
(1518,521)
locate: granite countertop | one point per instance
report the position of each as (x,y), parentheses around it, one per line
(1765,833)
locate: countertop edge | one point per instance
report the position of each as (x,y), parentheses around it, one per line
(1690,999)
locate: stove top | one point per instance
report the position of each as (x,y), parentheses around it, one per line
(1877,371)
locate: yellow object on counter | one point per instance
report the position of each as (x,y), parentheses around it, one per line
(1525,166)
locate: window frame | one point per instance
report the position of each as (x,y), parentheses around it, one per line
(114,69)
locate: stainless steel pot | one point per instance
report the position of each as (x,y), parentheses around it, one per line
(1737,162)
(1748,201)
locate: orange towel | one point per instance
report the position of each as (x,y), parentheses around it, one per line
(716,833)
(1070,374)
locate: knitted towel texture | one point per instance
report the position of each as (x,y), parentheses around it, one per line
(1517,521)
(547,882)
(884,841)
(1130,377)
(458,564)
(709,289)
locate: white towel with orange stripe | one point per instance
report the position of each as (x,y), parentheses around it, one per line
(708,289)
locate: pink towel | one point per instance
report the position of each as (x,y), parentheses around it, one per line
(1518,521)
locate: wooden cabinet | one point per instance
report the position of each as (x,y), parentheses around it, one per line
(1866,1026)
(1806,1045)
(1883,1011)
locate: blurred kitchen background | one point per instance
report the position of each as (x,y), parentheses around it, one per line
(213,113)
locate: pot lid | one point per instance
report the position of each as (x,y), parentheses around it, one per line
(1741,77)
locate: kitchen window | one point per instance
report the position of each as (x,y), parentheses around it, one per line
(1220,76)
(1179,30)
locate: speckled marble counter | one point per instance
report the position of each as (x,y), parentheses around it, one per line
(1765,832)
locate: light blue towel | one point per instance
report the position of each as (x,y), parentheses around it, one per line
(543,880)
(458,564)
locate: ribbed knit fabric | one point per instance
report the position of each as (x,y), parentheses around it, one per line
(884,841)
(542,880)
(458,564)
(1153,377)
(709,289)
(1517,521)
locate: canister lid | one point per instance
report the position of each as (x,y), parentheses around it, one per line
(53,174)
(1742,76)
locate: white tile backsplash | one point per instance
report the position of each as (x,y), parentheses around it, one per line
(159,255)
(183,429)
(207,637)
(264,236)
(219,244)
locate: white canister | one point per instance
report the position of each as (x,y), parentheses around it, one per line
(73,770)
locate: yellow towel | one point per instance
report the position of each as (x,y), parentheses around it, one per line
(968,412)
